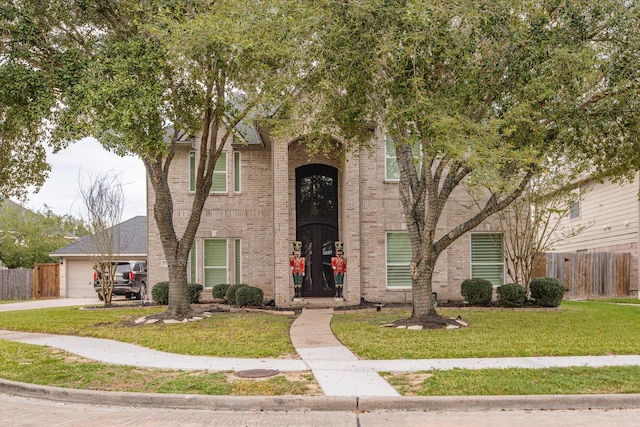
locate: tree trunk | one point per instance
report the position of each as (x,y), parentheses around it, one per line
(179,303)
(424,304)
(174,249)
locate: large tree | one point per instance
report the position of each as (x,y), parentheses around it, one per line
(141,76)
(487,90)
(22,154)
(28,237)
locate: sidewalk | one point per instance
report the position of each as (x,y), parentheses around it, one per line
(338,371)
(48,303)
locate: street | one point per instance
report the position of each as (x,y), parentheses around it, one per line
(18,411)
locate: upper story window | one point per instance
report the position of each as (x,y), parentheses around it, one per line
(219,184)
(574,209)
(391,168)
(236,172)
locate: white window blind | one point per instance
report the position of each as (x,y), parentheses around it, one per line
(487,257)
(398,261)
(215,262)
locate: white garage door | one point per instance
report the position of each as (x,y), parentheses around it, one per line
(80,279)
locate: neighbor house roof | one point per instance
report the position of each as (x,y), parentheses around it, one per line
(133,240)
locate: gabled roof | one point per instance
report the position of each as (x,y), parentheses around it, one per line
(133,240)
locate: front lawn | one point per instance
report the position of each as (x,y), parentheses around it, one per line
(53,367)
(516,381)
(577,329)
(252,335)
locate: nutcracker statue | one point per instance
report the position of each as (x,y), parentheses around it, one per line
(339,265)
(297,268)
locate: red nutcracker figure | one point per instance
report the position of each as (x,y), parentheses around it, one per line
(339,265)
(297,268)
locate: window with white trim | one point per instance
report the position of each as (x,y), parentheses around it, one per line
(219,184)
(391,167)
(487,257)
(236,172)
(237,265)
(574,209)
(215,262)
(192,263)
(398,260)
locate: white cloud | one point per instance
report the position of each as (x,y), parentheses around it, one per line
(74,168)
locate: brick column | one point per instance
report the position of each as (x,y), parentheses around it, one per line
(350,228)
(283,284)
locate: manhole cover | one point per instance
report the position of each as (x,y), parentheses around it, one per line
(257,373)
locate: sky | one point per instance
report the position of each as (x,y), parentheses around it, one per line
(74,168)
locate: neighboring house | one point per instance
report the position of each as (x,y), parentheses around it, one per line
(610,214)
(77,259)
(267,193)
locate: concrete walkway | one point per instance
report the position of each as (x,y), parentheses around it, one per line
(338,371)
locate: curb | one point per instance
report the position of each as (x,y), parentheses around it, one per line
(322,403)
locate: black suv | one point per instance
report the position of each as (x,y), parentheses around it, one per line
(130,281)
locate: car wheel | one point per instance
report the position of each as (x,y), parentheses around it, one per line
(142,292)
(100,296)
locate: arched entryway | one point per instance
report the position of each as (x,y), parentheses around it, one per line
(317,226)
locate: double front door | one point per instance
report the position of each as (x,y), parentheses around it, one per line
(317,226)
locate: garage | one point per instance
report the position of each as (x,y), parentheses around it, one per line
(77,260)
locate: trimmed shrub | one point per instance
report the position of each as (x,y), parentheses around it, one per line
(249,296)
(231,293)
(160,293)
(547,291)
(511,295)
(219,291)
(195,290)
(477,291)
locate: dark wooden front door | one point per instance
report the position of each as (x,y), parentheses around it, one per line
(317,226)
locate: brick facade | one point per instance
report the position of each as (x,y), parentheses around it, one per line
(262,215)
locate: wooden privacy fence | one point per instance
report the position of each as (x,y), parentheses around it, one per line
(16,284)
(588,275)
(46,281)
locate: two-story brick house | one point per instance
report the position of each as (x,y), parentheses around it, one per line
(268,193)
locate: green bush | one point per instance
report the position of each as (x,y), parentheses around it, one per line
(249,296)
(231,293)
(195,290)
(219,291)
(511,295)
(160,293)
(547,291)
(477,291)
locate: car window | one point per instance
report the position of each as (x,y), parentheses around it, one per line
(122,268)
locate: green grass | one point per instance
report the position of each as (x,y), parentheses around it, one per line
(253,335)
(46,366)
(516,381)
(577,329)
